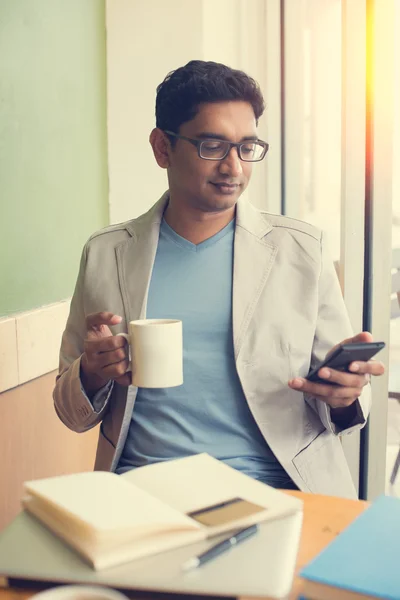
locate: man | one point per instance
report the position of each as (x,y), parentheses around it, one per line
(258,297)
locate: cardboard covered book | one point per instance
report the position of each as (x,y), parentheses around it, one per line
(110,519)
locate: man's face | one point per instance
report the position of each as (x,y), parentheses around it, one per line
(205,184)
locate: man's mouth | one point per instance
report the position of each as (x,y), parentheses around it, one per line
(225,188)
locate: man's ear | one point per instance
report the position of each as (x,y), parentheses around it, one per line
(161,147)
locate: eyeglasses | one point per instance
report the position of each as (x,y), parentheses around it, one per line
(251,151)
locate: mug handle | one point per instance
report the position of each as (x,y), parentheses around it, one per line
(126,336)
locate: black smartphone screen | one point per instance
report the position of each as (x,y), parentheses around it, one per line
(343,356)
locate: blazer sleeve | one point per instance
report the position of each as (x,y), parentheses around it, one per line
(70,400)
(333,326)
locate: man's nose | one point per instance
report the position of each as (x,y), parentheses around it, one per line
(231,164)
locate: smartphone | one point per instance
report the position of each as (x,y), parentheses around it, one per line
(343,356)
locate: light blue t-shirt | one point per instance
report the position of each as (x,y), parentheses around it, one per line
(209,412)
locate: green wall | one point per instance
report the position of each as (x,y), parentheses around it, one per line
(53,145)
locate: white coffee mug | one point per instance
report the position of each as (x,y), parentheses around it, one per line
(79,592)
(156,352)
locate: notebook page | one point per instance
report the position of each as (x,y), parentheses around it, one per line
(100,556)
(105,503)
(194,482)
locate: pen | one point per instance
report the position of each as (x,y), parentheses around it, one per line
(220,548)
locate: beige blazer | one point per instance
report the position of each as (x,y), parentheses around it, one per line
(288,312)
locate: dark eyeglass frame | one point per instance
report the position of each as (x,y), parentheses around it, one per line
(230,145)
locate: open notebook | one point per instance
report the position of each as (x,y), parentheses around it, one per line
(111,519)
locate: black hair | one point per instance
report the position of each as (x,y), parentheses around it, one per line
(183,90)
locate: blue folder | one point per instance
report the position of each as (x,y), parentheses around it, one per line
(365,557)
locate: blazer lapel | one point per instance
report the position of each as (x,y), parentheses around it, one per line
(253,260)
(254,257)
(135,260)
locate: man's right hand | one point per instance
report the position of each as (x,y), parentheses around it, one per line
(105,355)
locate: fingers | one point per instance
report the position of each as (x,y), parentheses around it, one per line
(364,336)
(98,325)
(116,370)
(104,352)
(96,368)
(106,344)
(336,396)
(325,390)
(105,355)
(371,367)
(108,358)
(95,320)
(343,378)
(342,387)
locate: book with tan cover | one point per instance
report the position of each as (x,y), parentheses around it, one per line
(111,519)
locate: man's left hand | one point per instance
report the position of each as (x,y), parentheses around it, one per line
(348,385)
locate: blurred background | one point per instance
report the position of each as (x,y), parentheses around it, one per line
(77,94)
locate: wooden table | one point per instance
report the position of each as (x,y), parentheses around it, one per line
(324,518)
